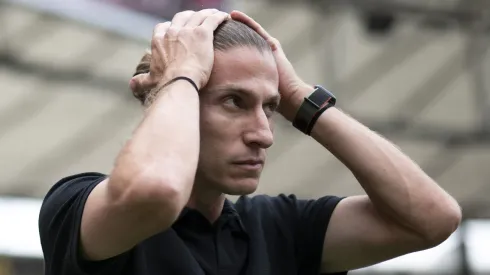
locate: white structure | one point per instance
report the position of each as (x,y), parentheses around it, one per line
(19,237)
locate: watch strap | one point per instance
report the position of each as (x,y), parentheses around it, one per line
(308,112)
(317,116)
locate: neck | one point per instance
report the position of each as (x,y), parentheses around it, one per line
(207,202)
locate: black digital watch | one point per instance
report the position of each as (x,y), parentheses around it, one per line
(311,109)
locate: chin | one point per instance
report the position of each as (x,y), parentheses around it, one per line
(240,187)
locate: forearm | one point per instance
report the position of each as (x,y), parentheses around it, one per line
(398,188)
(161,157)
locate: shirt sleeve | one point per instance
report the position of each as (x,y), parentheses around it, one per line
(309,220)
(59,228)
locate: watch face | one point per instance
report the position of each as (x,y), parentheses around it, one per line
(325,90)
(332,100)
(321,96)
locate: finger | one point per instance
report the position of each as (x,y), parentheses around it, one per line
(247,20)
(199,17)
(140,83)
(212,22)
(161,29)
(181,18)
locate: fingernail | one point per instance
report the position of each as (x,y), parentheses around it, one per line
(132,84)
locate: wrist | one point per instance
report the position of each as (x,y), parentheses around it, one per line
(187,73)
(292,104)
(329,123)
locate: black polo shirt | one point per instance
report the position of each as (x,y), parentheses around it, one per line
(258,235)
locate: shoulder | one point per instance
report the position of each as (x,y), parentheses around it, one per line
(287,211)
(286,219)
(59,222)
(68,193)
(77,181)
(283,202)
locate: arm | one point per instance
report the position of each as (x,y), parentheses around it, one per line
(404,210)
(151,180)
(154,172)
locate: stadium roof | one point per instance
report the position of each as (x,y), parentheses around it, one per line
(66,107)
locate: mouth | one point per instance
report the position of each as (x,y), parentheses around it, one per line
(251,164)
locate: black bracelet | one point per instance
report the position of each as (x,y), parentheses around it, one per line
(182,78)
(316,116)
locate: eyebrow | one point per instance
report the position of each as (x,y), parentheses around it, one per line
(245,92)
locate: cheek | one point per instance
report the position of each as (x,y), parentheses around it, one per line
(221,132)
(215,134)
(216,124)
(211,126)
(272,124)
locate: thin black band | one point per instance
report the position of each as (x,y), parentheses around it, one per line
(182,78)
(317,116)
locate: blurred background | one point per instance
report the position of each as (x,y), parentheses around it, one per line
(415,71)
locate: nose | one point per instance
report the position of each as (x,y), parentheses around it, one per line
(259,132)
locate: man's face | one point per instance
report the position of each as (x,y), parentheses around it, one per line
(236,120)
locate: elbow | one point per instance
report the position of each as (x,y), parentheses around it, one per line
(159,193)
(444,224)
(153,195)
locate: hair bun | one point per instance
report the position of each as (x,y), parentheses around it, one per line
(143,67)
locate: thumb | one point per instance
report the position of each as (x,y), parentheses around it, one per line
(140,83)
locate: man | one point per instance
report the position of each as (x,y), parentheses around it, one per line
(210,87)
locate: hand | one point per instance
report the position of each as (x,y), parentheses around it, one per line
(291,87)
(183,47)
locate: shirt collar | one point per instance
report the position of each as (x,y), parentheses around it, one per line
(228,213)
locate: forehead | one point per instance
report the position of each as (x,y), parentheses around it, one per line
(246,68)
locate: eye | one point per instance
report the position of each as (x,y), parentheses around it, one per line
(270,108)
(234,101)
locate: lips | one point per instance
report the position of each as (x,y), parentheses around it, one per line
(254,161)
(250,164)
